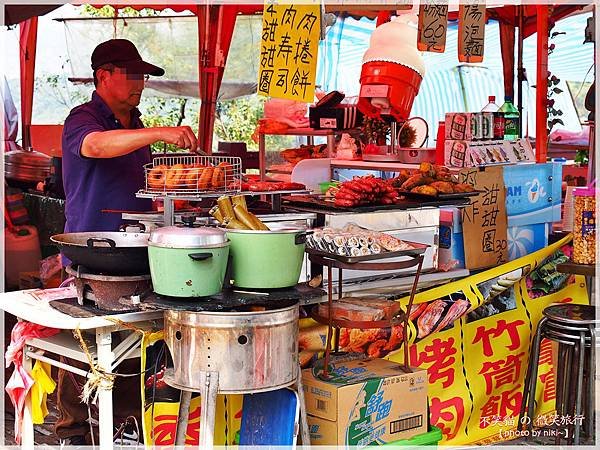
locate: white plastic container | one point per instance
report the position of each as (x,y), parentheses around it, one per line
(22,253)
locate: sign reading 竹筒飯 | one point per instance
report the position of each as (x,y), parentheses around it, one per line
(288,51)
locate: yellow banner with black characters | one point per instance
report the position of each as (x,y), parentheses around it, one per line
(160,403)
(473,336)
(288,50)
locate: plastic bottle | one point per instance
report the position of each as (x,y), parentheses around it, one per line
(498,125)
(511,119)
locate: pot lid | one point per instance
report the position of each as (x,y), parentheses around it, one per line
(187,237)
(27,157)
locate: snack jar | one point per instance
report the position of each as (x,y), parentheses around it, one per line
(584,226)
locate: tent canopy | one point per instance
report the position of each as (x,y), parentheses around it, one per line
(215,29)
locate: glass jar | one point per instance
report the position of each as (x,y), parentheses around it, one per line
(584,226)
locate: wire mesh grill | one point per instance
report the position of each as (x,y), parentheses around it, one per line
(193,175)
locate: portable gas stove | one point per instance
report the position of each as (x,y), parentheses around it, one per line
(109,292)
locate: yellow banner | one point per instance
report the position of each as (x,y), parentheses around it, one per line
(473,336)
(160,404)
(288,51)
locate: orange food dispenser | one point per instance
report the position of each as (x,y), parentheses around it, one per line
(392,71)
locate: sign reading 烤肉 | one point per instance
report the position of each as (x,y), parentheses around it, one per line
(288,51)
(433,24)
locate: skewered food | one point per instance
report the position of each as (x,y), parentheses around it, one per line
(367,190)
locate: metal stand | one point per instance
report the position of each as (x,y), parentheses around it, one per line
(208,406)
(333,324)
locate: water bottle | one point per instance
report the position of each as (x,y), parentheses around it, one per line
(511,119)
(498,126)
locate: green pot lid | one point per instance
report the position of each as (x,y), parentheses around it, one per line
(188,237)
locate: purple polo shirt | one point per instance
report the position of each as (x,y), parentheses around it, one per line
(94,184)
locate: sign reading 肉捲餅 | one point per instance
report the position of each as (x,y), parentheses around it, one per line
(433,24)
(485,220)
(471,32)
(288,51)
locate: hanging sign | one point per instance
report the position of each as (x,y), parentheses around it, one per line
(288,51)
(433,24)
(485,220)
(471,31)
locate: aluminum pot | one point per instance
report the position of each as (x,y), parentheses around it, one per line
(26,165)
(251,351)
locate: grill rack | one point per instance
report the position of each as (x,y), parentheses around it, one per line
(193,175)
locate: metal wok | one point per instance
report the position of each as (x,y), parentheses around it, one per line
(113,253)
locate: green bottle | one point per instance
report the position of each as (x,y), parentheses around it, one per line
(511,119)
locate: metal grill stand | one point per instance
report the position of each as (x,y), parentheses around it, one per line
(334,325)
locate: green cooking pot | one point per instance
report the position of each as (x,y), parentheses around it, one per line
(266,259)
(188,261)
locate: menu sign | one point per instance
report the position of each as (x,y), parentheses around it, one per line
(288,51)
(471,30)
(433,24)
(485,221)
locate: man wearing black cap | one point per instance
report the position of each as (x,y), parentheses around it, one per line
(105,147)
(105,144)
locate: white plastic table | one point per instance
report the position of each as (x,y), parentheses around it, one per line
(33,306)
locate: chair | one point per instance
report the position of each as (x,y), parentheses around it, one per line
(573,328)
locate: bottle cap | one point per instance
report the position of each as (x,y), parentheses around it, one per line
(508,98)
(492,98)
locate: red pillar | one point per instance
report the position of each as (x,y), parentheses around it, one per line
(541,90)
(27,44)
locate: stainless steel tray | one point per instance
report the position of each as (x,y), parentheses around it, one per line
(417,249)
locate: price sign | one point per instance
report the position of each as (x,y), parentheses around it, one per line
(288,51)
(471,31)
(433,24)
(484,221)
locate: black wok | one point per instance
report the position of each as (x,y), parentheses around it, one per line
(112,253)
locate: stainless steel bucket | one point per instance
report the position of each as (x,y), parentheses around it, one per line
(251,351)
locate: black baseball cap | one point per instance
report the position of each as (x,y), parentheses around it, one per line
(123,53)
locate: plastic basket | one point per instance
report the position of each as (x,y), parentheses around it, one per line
(432,437)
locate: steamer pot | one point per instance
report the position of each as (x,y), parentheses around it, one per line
(252,351)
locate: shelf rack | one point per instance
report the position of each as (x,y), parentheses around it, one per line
(415,258)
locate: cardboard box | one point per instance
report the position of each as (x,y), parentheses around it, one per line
(370,401)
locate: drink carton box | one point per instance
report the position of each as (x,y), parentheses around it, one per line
(365,402)
(460,125)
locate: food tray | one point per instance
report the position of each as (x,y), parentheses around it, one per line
(454,195)
(318,204)
(417,249)
(188,179)
(355,324)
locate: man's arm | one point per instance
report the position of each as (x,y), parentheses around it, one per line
(112,143)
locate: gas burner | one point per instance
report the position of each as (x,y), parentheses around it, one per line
(109,292)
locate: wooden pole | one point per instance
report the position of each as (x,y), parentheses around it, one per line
(541,90)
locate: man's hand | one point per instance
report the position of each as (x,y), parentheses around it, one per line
(182,137)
